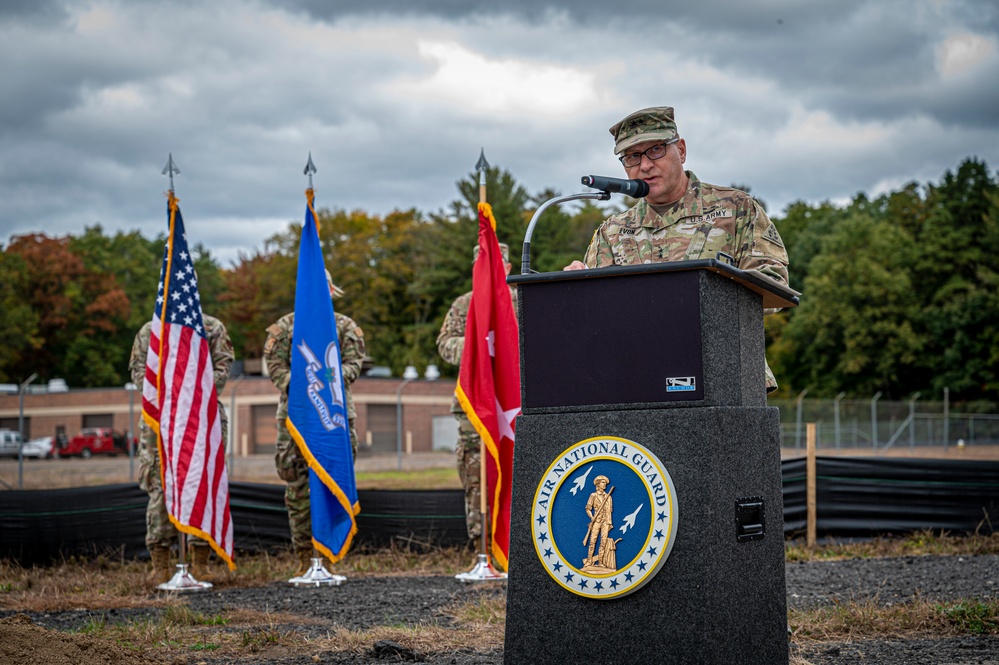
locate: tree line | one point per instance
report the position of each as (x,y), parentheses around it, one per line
(900,293)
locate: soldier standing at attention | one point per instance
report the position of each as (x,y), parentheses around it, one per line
(160,532)
(450,344)
(681,218)
(291,465)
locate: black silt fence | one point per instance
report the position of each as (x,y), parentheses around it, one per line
(855,497)
(42,526)
(861,496)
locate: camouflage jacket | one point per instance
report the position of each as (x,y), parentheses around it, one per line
(277,356)
(451,339)
(219,345)
(707,220)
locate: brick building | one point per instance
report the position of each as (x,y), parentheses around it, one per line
(424,406)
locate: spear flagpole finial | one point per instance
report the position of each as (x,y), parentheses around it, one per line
(170,169)
(310,168)
(481,166)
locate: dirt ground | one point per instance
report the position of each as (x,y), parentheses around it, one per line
(366,602)
(302,619)
(104,470)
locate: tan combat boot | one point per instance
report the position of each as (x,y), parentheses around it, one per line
(305,556)
(199,564)
(161,572)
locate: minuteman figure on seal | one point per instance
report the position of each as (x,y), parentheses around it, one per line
(600,509)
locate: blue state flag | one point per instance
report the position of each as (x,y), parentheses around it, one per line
(317,410)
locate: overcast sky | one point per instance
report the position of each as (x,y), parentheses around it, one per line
(394,98)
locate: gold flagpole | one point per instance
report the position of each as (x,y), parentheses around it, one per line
(483,569)
(482,165)
(182,580)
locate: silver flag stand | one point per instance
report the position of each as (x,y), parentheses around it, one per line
(183,581)
(317,575)
(482,571)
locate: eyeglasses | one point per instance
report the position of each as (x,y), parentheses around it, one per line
(658,151)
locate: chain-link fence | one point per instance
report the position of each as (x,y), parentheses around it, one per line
(878,425)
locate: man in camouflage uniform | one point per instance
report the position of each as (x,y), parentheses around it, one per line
(160,532)
(450,344)
(681,218)
(291,465)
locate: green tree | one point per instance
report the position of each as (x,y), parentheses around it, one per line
(376,261)
(453,235)
(18,320)
(956,278)
(257,291)
(803,229)
(853,331)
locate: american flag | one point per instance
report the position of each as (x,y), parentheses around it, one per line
(180,404)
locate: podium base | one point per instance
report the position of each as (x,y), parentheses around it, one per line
(183,581)
(317,575)
(483,571)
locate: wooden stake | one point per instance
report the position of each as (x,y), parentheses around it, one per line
(810,484)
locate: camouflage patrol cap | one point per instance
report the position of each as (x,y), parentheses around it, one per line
(651,124)
(504,250)
(335,291)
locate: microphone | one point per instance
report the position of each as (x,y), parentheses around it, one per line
(633,188)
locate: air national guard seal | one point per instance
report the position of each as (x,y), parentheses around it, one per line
(604,517)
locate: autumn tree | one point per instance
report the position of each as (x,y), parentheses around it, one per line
(79,311)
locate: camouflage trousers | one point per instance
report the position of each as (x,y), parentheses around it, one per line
(160,531)
(293,469)
(469,460)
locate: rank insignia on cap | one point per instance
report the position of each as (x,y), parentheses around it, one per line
(604,517)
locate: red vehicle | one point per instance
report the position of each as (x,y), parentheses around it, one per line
(93,441)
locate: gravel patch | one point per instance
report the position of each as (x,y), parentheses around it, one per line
(894,580)
(365,602)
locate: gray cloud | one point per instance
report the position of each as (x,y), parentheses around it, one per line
(395,99)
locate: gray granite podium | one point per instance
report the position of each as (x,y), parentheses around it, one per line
(647,512)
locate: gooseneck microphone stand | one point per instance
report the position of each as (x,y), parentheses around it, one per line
(525,259)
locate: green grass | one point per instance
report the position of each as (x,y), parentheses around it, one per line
(870,618)
(424,479)
(205,646)
(972,616)
(918,543)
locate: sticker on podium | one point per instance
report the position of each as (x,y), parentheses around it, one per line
(604,517)
(676,384)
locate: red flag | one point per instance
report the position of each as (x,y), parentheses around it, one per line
(489,378)
(179,402)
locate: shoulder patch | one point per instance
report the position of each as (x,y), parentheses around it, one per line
(269,345)
(772,235)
